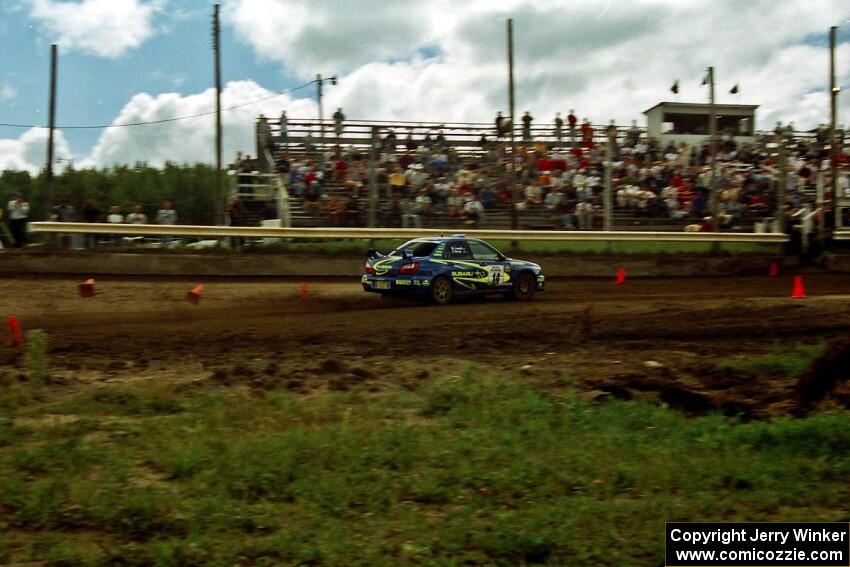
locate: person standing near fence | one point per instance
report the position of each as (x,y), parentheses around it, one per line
(19,210)
(559,128)
(166,216)
(65,212)
(91,214)
(338,117)
(236,212)
(526,125)
(115,217)
(572,121)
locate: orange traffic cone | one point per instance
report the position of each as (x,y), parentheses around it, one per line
(87,288)
(194,296)
(774,269)
(621,276)
(798,292)
(15,331)
(303,291)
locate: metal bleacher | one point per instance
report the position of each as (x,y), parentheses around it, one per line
(303,138)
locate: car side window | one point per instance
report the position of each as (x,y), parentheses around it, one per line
(481,251)
(459,250)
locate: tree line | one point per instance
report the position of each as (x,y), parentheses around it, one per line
(189,187)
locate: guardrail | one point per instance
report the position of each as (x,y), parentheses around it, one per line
(330,233)
(841,234)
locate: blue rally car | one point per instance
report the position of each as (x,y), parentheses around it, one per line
(440,268)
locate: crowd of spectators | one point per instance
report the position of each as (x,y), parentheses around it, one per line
(562,182)
(91,212)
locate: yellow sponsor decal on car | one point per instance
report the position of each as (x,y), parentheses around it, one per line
(381,267)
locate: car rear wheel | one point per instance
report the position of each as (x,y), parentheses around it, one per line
(441,290)
(524,287)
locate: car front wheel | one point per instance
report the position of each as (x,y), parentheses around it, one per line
(524,287)
(441,290)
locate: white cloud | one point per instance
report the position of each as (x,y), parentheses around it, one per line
(445,61)
(442,60)
(106,28)
(328,36)
(28,152)
(7,93)
(191,140)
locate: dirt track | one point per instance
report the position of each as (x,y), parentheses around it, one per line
(593,332)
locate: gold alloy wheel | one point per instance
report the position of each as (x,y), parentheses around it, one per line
(441,290)
(525,286)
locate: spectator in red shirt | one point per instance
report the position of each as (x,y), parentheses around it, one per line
(572,121)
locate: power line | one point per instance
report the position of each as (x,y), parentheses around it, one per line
(164,120)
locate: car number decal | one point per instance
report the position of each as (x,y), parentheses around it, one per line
(496,275)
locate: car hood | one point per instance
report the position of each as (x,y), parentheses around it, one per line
(523,264)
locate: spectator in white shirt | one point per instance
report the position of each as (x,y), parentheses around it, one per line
(553,199)
(166,216)
(19,211)
(137,216)
(473,210)
(115,217)
(584,211)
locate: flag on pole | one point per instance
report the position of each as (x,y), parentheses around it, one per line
(705,80)
(675,87)
(734,89)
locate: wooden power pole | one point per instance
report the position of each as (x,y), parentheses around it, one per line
(219,193)
(51,126)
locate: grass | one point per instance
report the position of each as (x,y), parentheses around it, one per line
(790,364)
(466,470)
(35,357)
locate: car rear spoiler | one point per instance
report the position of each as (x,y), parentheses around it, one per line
(374,253)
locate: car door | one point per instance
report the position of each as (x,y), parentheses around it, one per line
(490,260)
(466,273)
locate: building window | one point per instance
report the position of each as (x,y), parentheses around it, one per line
(698,124)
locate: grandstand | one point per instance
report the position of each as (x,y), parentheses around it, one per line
(469,146)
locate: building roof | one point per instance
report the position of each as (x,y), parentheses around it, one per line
(705,104)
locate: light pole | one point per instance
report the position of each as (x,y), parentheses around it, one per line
(834,89)
(319,80)
(712,129)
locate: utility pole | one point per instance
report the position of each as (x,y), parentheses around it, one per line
(319,80)
(833,150)
(712,132)
(609,157)
(219,193)
(321,113)
(514,222)
(51,126)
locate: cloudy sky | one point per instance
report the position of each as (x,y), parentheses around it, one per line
(124,61)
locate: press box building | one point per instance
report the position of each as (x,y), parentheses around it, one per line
(689,122)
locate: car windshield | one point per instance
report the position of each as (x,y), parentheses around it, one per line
(420,248)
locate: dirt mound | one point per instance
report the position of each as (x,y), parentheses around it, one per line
(829,374)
